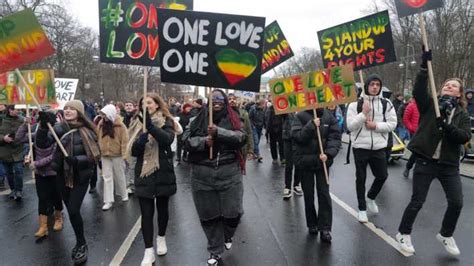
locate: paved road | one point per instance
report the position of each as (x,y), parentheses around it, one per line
(272,231)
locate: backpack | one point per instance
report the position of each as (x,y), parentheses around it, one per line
(360,102)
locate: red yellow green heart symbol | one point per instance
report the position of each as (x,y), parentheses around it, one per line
(236,66)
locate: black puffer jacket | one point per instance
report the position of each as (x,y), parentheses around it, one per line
(306,149)
(163,181)
(85,167)
(286,132)
(273,122)
(226,145)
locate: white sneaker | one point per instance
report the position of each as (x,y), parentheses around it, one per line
(161,248)
(372,206)
(298,191)
(148,258)
(125,199)
(286,193)
(129,191)
(228,244)
(405,243)
(362,217)
(449,244)
(107,206)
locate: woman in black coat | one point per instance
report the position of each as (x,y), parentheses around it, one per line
(78,136)
(155,180)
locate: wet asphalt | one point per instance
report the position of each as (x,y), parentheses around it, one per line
(272,230)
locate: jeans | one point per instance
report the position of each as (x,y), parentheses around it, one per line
(276,144)
(424,173)
(257,134)
(2,173)
(290,165)
(14,172)
(378,164)
(324,220)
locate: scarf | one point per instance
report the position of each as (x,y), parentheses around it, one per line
(89,140)
(151,156)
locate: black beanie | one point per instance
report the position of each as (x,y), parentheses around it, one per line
(370,78)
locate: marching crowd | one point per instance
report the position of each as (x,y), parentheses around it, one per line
(132,151)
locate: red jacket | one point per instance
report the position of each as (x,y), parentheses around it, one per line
(411,117)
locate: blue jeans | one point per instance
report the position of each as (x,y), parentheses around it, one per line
(257,134)
(14,172)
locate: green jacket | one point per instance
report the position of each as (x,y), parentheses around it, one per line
(248,128)
(426,139)
(10,152)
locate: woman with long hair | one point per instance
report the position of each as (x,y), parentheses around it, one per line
(113,140)
(78,136)
(436,145)
(155,180)
(217,182)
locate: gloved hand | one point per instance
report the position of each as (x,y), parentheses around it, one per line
(425,57)
(143,139)
(447,105)
(45,118)
(149,123)
(71,160)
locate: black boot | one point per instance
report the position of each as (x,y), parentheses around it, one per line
(325,236)
(313,230)
(79,254)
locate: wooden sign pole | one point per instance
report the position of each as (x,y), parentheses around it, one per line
(30,139)
(430,66)
(51,129)
(145,88)
(210,118)
(321,148)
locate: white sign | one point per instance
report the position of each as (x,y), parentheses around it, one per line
(65,91)
(245,95)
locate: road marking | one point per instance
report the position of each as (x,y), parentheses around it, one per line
(127,243)
(392,242)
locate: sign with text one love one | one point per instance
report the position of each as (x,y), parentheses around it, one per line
(311,90)
(411,7)
(210,49)
(362,43)
(41,83)
(129,30)
(276,48)
(22,41)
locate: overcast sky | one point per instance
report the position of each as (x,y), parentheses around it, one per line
(299,19)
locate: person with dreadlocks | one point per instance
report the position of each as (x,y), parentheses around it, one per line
(155,180)
(217,182)
(78,136)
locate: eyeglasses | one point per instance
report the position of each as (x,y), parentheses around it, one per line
(219,99)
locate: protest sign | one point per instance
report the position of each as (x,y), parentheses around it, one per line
(209,49)
(41,83)
(22,41)
(276,48)
(245,95)
(410,7)
(65,91)
(362,43)
(129,30)
(312,90)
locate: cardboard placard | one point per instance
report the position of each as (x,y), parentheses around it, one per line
(362,43)
(129,30)
(210,49)
(245,95)
(41,83)
(22,41)
(313,90)
(65,91)
(276,48)
(411,7)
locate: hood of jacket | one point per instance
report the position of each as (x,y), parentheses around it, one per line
(370,78)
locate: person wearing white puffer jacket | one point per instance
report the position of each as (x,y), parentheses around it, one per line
(113,139)
(370,120)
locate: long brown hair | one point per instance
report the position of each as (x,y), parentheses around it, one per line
(162,105)
(107,128)
(462,98)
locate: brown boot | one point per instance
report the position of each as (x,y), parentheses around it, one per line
(43,230)
(58,221)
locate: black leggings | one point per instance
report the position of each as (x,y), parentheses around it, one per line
(73,198)
(49,198)
(147,207)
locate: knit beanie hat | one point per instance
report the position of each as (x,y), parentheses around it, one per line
(76,104)
(110,112)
